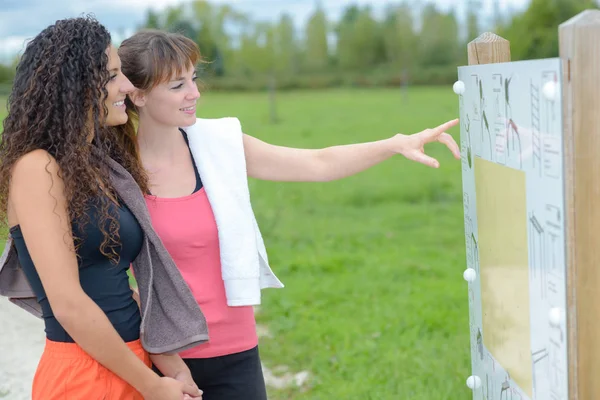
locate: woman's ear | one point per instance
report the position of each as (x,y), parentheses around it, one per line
(138,98)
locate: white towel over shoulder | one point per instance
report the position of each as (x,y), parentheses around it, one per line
(218,150)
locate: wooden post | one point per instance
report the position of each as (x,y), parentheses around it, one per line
(580,55)
(488,48)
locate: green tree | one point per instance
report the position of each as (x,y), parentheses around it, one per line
(317,49)
(399,37)
(438,41)
(7,74)
(257,50)
(346,54)
(360,40)
(369,47)
(174,15)
(183,27)
(533,34)
(286,48)
(473,7)
(152,20)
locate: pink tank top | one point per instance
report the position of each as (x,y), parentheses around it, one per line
(187,227)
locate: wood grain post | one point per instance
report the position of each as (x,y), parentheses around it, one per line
(579,41)
(488,48)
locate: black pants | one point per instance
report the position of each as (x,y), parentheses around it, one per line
(232,377)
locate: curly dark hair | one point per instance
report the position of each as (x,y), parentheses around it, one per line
(60,81)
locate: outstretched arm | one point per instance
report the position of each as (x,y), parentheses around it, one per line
(277,163)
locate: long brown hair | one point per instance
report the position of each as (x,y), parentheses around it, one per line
(148,58)
(60,80)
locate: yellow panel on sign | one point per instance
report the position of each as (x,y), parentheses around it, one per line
(504,267)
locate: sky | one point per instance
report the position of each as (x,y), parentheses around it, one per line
(23,19)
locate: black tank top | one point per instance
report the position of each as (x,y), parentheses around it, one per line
(196,172)
(104,282)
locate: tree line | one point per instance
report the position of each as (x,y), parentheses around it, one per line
(410,44)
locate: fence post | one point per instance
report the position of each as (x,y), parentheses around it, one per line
(488,48)
(580,59)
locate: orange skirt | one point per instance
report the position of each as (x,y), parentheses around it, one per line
(66,372)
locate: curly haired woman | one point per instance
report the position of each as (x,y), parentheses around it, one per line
(73,234)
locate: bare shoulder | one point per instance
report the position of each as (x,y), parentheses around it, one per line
(35,164)
(34,183)
(36,173)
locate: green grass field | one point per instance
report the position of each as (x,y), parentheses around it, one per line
(2,110)
(375,305)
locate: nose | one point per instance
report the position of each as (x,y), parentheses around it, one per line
(126,86)
(194,92)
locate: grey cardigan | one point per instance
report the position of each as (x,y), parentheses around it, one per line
(171,318)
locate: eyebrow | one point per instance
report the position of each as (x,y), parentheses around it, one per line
(182,78)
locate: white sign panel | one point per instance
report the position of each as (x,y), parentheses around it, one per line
(512,169)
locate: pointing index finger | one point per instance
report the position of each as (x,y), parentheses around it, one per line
(445,126)
(438,130)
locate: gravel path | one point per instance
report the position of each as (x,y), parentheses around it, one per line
(22,342)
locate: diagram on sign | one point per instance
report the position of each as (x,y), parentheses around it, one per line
(513,136)
(501,391)
(554,227)
(475,116)
(467,150)
(545,245)
(513,197)
(500,121)
(556,369)
(536,239)
(466,153)
(507,136)
(552,140)
(479,344)
(472,248)
(505,388)
(552,154)
(536,134)
(479,109)
(540,366)
(550,82)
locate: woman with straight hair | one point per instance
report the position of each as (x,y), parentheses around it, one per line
(198,198)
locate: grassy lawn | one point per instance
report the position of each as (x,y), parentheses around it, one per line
(2,110)
(375,305)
